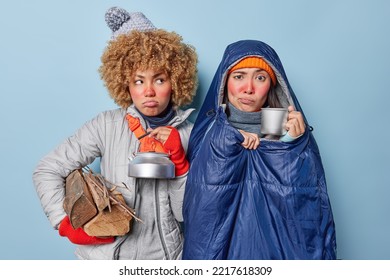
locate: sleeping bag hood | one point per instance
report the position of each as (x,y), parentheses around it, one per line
(268,203)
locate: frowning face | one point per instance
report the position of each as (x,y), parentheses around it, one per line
(150,91)
(248,88)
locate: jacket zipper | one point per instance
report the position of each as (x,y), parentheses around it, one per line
(164,245)
(117,248)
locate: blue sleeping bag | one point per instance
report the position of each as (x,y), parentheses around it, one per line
(268,203)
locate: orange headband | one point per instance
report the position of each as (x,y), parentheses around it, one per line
(255,62)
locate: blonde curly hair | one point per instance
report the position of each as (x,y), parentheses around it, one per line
(157,50)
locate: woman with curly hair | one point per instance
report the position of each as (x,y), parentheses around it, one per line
(149,73)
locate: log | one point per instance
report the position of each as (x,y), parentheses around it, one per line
(78,204)
(91,204)
(114,222)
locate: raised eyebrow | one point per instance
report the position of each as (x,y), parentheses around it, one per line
(238,72)
(244,72)
(139,76)
(158,75)
(154,76)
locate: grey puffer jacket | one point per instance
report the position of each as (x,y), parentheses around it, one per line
(158,203)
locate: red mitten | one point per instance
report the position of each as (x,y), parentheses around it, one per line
(177,155)
(78,236)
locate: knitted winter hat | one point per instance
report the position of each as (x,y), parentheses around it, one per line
(122,22)
(255,62)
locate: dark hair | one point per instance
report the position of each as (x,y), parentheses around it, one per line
(273,99)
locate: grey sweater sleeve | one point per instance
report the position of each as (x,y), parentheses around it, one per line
(75,152)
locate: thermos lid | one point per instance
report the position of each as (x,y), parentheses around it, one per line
(151,165)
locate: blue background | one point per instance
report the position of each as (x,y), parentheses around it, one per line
(335,54)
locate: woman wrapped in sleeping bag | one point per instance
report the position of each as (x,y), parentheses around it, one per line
(249,195)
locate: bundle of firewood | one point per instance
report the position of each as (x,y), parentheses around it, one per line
(93,203)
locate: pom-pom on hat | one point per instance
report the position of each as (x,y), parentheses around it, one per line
(255,62)
(122,22)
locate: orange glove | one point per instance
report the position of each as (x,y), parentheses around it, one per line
(171,146)
(79,236)
(174,148)
(147,144)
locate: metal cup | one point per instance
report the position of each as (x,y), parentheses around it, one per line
(273,121)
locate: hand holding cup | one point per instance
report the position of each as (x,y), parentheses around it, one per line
(279,121)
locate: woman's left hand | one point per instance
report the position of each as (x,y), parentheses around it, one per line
(251,140)
(295,124)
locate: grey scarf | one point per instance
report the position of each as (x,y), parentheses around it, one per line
(248,121)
